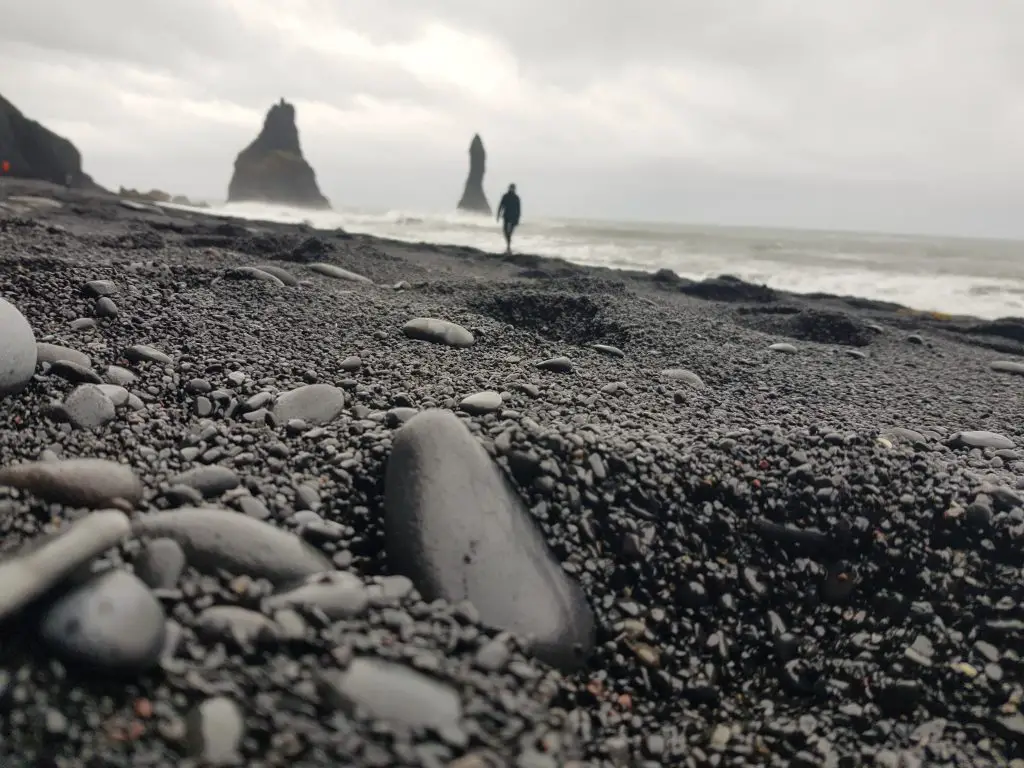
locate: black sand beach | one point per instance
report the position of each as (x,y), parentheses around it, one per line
(807,555)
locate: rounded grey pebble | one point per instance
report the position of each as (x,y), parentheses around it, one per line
(115,374)
(105,307)
(74,372)
(118,395)
(214,731)
(97,288)
(340,595)
(111,621)
(88,407)
(160,564)
(210,481)
(481,403)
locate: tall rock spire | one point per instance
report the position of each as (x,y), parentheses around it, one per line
(272,169)
(473,198)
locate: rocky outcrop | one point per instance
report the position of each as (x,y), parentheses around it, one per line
(473,198)
(157,196)
(272,168)
(35,152)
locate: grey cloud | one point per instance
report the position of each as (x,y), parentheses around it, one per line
(866,109)
(158,35)
(204,44)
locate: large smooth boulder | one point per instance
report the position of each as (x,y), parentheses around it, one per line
(17,350)
(458,529)
(272,169)
(473,198)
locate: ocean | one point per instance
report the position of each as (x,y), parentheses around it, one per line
(977,277)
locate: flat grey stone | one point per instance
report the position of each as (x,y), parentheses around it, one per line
(481,403)
(241,626)
(314,403)
(393,692)
(307,497)
(183,496)
(88,407)
(74,372)
(93,483)
(530,390)
(98,288)
(115,374)
(112,621)
(457,528)
(783,347)
(118,395)
(395,417)
(438,332)
(1007,366)
(330,270)
(232,541)
(608,349)
(214,730)
(905,435)
(280,273)
(340,595)
(143,353)
(51,353)
(981,439)
(255,273)
(160,563)
(210,481)
(253,507)
(105,307)
(686,377)
(556,364)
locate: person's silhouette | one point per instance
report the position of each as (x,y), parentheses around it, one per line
(509,210)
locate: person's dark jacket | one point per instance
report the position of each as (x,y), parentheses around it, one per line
(509,208)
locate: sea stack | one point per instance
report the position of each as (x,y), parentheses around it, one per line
(272,168)
(36,152)
(473,198)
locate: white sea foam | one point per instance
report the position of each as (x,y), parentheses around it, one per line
(961,276)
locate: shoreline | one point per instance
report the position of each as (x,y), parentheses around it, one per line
(797,522)
(662,276)
(930,319)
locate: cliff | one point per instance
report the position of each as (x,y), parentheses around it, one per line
(35,152)
(272,169)
(473,197)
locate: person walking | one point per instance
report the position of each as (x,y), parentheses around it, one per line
(509,210)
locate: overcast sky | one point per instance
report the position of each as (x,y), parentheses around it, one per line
(899,115)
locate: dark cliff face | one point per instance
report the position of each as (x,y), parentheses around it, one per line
(272,168)
(473,198)
(36,152)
